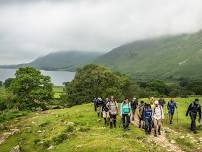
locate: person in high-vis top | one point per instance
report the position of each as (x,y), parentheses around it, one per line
(125,112)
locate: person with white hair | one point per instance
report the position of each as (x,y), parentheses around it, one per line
(157,116)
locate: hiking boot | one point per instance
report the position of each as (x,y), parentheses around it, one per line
(195,132)
(111,125)
(155,134)
(159,131)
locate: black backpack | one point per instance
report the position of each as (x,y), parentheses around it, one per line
(194,107)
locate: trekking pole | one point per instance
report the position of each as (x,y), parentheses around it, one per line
(177,117)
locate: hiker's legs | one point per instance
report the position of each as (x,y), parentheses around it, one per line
(95,107)
(105,117)
(114,121)
(159,127)
(133,115)
(155,126)
(99,111)
(149,125)
(127,120)
(193,122)
(111,120)
(146,128)
(124,120)
(140,122)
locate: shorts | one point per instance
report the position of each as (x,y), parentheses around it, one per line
(105,114)
(157,123)
(171,112)
(99,109)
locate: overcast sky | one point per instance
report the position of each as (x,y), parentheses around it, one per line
(31,28)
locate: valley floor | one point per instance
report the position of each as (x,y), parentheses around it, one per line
(79,129)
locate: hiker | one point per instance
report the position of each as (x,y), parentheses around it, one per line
(134,104)
(158,116)
(95,104)
(192,111)
(147,116)
(171,109)
(99,105)
(125,112)
(162,102)
(113,110)
(105,111)
(151,100)
(140,114)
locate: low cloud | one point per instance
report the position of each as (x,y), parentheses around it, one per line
(29,29)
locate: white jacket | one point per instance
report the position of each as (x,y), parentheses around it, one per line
(158,113)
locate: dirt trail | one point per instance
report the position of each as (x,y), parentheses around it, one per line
(162,140)
(5,135)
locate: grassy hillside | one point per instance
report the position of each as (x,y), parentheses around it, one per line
(69,61)
(79,129)
(40,131)
(163,57)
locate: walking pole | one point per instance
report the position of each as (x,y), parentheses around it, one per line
(177,117)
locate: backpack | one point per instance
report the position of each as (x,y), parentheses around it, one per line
(141,107)
(105,107)
(161,110)
(194,108)
(171,105)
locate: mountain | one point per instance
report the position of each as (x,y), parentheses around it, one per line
(162,58)
(64,60)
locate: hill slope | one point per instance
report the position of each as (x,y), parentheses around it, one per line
(72,129)
(163,57)
(60,61)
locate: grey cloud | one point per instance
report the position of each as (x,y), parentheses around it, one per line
(30,28)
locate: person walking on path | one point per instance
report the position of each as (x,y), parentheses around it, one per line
(140,114)
(171,106)
(147,116)
(105,111)
(125,112)
(162,101)
(192,111)
(134,105)
(99,105)
(113,111)
(158,116)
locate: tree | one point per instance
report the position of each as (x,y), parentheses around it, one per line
(8,82)
(160,86)
(95,81)
(1,83)
(31,88)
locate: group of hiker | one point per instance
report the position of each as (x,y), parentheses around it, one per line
(149,114)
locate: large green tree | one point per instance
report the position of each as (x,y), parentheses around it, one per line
(95,81)
(8,82)
(31,88)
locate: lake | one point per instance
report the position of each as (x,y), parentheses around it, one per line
(57,77)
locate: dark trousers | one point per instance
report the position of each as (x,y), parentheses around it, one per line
(112,120)
(148,125)
(125,120)
(95,107)
(193,121)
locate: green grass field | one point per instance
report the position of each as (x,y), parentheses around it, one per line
(58,91)
(52,130)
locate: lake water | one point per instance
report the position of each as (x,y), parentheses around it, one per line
(57,77)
